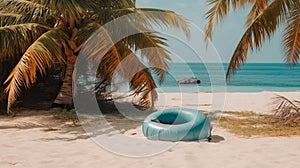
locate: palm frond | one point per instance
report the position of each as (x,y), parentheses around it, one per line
(122,61)
(15,39)
(96,46)
(153,48)
(85,32)
(291,35)
(161,18)
(143,84)
(147,17)
(19,6)
(140,78)
(286,110)
(8,18)
(256,10)
(71,11)
(219,9)
(40,56)
(108,66)
(26,12)
(262,27)
(118,58)
(99,5)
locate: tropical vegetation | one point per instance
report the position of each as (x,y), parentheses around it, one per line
(264,18)
(38,35)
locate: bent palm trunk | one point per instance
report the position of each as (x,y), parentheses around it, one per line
(64,97)
(3,106)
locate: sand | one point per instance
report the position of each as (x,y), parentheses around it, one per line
(30,145)
(260,102)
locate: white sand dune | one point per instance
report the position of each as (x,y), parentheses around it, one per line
(36,147)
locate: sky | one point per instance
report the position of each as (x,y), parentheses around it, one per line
(225,36)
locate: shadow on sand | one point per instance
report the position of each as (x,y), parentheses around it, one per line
(115,118)
(216,139)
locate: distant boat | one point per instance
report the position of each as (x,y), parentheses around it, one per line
(191,80)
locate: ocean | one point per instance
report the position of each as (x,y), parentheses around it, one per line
(251,77)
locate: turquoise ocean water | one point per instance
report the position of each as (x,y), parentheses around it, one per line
(252,77)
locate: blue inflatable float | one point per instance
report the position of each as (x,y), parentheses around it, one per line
(180,124)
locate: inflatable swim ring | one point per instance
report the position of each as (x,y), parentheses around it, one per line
(176,125)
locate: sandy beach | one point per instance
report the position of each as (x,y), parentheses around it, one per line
(259,102)
(25,141)
(81,82)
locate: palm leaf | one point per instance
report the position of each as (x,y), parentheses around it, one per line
(286,110)
(122,61)
(108,4)
(262,27)
(143,84)
(157,56)
(256,10)
(40,56)
(8,18)
(291,36)
(218,10)
(152,47)
(27,11)
(158,17)
(117,58)
(15,39)
(146,17)
(71,11)
(96,46)
(140,78)
(19,4)
(86,31)
(111,61)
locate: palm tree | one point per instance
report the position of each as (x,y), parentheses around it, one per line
(262,21)
(41,34)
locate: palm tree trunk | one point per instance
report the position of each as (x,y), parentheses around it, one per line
(64,97)
(3,105)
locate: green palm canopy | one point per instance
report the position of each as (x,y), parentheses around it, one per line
(39,34)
